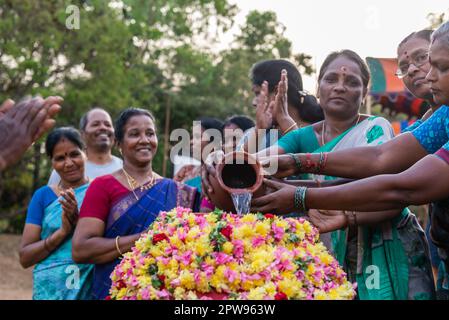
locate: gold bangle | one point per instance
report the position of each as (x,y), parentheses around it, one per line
(289,128)
(117,246)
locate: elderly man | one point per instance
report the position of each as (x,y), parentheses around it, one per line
(98,133)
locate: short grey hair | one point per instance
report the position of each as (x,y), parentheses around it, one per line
(442,32)
(84,119)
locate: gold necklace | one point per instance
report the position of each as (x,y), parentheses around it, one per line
(133,184)
(322,130)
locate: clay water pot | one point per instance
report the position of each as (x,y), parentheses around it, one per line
(238,172)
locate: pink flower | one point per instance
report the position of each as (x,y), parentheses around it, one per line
(182,235)
(208,269)
(197,276)
(186,257)
(257,241)
(175,282)
(200,221)
(230,275)
(163,294)
(145,294)
(278,232)
(285,265)
(222,258)
(238,248)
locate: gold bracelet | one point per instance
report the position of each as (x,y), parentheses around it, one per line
(289,128)
(117,246)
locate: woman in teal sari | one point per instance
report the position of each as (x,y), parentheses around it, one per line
(119,207)
(51,219)
(386,253)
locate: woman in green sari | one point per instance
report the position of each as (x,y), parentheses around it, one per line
(385,253)
(51,218)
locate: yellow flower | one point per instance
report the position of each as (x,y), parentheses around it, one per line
(270,288)
(228,247)
(156,251)
(187,280)
(257,293)
(192,234)
(245,231)
(249,218)
(262,228)
(211,218)
(179,293)
(121,293)
(174,240)
(290,286)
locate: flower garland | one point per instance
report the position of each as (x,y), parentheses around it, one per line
(219,255)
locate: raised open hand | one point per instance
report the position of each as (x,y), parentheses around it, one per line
(264,109)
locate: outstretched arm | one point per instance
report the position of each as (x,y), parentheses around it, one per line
(424,182)
(393,156)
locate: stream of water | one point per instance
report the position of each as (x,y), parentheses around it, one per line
(242,202)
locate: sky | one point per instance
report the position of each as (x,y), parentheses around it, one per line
(372,28)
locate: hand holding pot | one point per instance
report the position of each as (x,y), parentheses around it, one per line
(279,201)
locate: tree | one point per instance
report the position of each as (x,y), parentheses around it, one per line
(113,61)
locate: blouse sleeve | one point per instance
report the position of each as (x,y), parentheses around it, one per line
(432,134)
(97,201)
(290,142)
(36,209)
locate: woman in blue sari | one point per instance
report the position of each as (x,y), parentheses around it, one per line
(51,219)
(119,207)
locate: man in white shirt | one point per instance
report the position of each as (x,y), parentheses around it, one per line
(98,133)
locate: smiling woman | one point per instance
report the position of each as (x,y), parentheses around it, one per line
(119,207)
(51,219)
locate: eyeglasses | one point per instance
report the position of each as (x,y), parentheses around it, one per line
(418,59)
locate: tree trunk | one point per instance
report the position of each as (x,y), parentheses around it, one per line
(37,165)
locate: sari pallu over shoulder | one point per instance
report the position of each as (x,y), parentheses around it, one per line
(390,260)
(58,277)
(130,216)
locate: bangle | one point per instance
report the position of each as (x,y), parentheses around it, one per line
(297,161)
(300,199)
(289,129)
(321,162)
(45,245)
(117,246)
(351,217)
